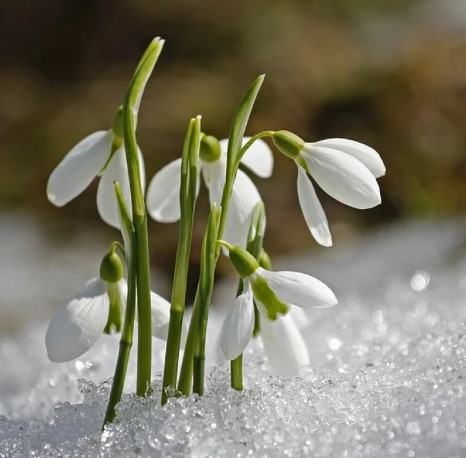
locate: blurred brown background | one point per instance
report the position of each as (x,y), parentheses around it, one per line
(389,74)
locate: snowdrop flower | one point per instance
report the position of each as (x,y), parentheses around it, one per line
(98,308)
(344,169)
(101,154)
(274,293)
(164,189)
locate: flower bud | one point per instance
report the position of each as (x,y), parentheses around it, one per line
(111,268)
(243,262)
(210,150)
(288,143)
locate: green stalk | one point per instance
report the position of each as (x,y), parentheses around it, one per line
(189,166)
(254,246)
(236,372)
(206,285)
(186,372)
(130,112)
(126,340)
(237,130)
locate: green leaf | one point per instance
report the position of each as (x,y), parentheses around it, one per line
(241,119)
(142,74)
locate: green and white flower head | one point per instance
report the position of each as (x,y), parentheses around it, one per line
(274,294)
(344,169)
(164,189)
(98,308)
(101,154)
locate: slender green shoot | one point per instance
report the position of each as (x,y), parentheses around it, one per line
(126,340)
(206,284)
(188,194)
(130,112)
(235,140)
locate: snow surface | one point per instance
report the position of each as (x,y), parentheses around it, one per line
(387,377)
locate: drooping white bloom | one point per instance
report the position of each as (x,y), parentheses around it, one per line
(77,325)
(344,169)
(274,293)
(163,193)
(101,154)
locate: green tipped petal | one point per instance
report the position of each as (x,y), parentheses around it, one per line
(266,297)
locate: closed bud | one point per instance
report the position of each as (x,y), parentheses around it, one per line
(288,143)
(243,262)
(210,150)
(111,268)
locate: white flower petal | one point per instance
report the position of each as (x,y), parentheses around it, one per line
(160,316)
(363,153)
(342,176)
(163,193)
(312,210)
(79,167)
(244,198)
(258,158)
(284,345)
(117,170)
(214,174)
(238,326)
(77,325)
(224,145)
(296,288)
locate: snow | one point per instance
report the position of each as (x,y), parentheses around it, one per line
(387,376)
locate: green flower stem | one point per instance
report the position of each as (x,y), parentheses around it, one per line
(236,372)
(130,112)
(237,130)
(126,340)
(242,151)
(189,166)
(206,285)
(186,371)
(254,246)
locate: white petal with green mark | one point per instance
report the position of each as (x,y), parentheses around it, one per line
(296,288)
(78,324)
(79,167)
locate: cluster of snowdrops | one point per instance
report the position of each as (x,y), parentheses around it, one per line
(120,294)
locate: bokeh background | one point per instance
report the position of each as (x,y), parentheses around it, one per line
(389,74)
